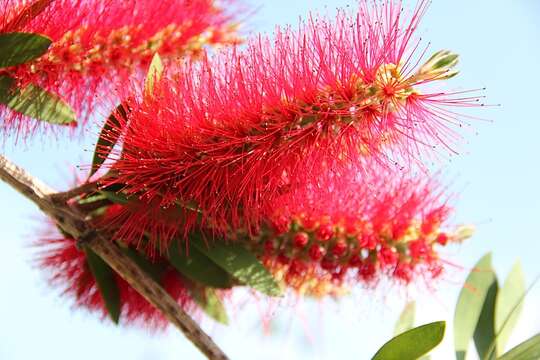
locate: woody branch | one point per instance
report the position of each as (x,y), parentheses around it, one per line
(73,223)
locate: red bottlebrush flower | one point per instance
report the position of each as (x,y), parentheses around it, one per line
(139,221)
(377,202)
(67,268)
(98,45)
(237,130)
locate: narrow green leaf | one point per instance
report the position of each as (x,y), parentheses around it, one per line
(413,343)
(154,74)
(406,319)
(91,199)
(116,197)
(241,264)
(108,137)
(198,267)
(509,305)
(484,333)
(470,303)
(17,48)
(35,102)
(528,350)
(106,283)
(210,303)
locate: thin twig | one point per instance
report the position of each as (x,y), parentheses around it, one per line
(74,224)
(86,188)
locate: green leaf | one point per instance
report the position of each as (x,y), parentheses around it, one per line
(91,199)
(116,197)
(210,303)
(406,319)
(470,303)
(484,333)
(106,283)
(198,267)
(18,48)
(528,350)
(155,71)
(108,137)
(509,305)
(35,102)
(413,343)
(240,263)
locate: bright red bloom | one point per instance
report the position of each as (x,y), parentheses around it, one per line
(232,133)
(67,268)
(139,221)
(385,207)
(98,45)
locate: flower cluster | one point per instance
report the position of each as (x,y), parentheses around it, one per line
(304,151)
(344,231)
(67,268)
(235,131)
(99,45)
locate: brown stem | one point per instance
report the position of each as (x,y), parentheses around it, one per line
(86,188)
(74,224)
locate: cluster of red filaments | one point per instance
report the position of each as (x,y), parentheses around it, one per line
(67,268)
(235,130)
(99,46)
(317,256)
(125,48)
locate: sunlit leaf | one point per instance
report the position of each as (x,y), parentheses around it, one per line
(116,197)
(108,137)
(198,267)
(35,102)
(484,333)
(155,72)
(509,305)
(528,350)
(91,199)
(106,282)
(470,303)
(209,302)
(406,319)
(413,343)
(18,48)
(241,264)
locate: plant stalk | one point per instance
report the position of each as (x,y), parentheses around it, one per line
(73,223)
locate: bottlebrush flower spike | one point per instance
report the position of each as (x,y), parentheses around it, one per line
(99,44)
(344,231)
(238,129)
(67,268)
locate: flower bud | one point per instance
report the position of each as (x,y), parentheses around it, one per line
(463,233)
(300,239)
(439,66)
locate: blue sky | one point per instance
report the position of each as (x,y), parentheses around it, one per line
(496,177)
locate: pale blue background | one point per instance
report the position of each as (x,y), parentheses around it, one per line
(497,179)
